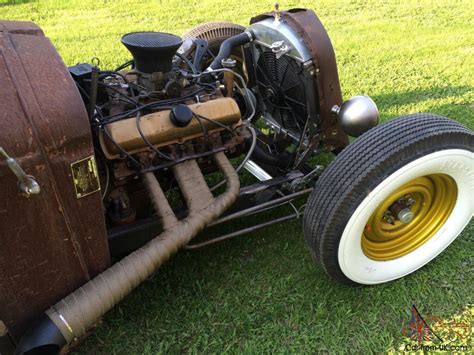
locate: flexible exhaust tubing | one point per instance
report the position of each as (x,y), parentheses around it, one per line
(77,312)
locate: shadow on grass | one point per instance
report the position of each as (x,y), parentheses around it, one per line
(462,112)
(419,95)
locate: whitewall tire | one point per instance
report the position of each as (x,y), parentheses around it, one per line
(343,225)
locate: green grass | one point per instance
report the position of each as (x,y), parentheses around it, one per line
(262,293)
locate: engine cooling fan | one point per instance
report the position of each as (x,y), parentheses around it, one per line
(281,87)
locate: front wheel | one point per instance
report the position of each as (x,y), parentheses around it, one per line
(393,200)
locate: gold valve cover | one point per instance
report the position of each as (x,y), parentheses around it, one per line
(160,131)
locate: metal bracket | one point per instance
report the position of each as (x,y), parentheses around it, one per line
(279,48)
(300,183)
(257,171)
(310,136)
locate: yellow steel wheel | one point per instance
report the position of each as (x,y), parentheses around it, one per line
(433,198)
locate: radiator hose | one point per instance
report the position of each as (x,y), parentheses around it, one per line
(227,46)
(72,316)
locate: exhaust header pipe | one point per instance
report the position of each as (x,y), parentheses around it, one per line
(76,313)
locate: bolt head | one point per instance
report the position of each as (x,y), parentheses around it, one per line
(405,215)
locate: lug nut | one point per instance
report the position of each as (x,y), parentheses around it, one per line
(410,201)
(388,218)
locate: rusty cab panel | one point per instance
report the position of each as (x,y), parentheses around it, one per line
(52,242)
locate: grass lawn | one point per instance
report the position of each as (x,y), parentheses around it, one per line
(262,293)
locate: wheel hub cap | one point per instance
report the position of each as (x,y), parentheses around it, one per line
(405,215)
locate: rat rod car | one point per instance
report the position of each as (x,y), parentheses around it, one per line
(106,173)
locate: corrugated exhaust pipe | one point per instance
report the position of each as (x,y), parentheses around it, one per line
(80,310)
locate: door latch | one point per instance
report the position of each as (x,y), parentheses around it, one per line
(26,183)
